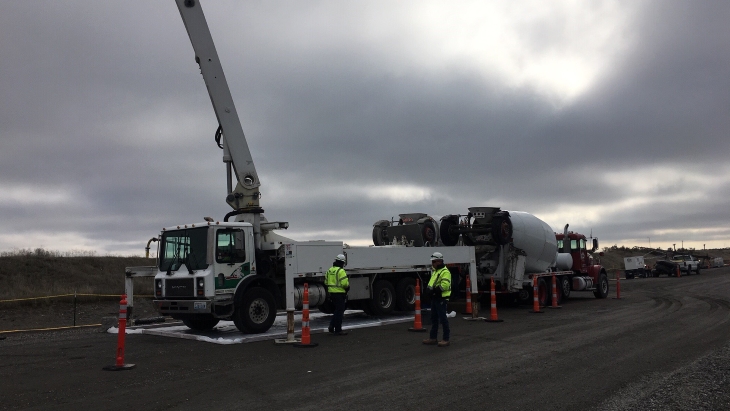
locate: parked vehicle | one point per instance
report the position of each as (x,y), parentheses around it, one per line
(511,247)
(635,267)
(717,262)
(243,270)
(687,263)
(665,267)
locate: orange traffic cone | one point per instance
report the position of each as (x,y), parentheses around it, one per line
(306,341)
(417,326)
(119,365)
(618,286)
(535,295)
(493,310)
(555,294)
(468,296)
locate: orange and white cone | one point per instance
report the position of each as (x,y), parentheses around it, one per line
(417,326)
(306,340)
(468,297)
(493,305)
(535,297)
(119,365)
(555,294)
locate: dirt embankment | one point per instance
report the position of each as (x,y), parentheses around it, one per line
(35,288)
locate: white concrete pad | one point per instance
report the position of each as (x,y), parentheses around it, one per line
(227,333)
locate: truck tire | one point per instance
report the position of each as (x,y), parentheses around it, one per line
(383,301)
(428,234)
(405,294)
(328,307)
(380,233)
(255,312)
(602,286)
(564,285)
(501,229)
(448,238)
(697,271)
(200,322)
(524,296)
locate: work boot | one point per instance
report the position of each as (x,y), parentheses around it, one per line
(430,341)
(340,333)
(444,344)
(331,330)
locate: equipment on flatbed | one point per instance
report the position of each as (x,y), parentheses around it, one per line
(512,247)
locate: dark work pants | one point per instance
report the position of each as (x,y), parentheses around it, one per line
(438,314)
(339,300)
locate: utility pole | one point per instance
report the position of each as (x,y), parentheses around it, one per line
(675,246)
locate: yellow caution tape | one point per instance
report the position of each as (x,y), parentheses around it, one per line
(71,295)
(50,329)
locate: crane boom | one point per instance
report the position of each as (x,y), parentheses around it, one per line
(245,197)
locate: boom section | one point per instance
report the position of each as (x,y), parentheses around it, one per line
(246,195)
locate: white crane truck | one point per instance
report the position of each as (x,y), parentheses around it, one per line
(245,271)
(511,247)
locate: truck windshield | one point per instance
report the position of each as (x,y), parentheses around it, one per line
(187,247)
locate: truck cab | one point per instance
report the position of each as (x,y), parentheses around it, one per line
(578,249)
(201,266)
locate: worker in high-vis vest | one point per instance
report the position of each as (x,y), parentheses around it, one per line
(440,288)
(337,287)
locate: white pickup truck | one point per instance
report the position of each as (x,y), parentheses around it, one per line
(687,263)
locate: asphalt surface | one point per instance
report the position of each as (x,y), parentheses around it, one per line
(664,345)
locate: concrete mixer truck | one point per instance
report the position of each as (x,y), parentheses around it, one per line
(512,247)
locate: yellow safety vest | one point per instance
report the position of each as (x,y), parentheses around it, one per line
(441,278)
(336,280)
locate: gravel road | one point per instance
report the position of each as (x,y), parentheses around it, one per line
(663,346)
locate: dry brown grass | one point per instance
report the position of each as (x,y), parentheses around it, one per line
(41,273)
(613,257)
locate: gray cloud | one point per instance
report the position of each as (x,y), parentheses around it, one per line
(106,128)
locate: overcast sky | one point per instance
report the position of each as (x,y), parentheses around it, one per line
(612,116)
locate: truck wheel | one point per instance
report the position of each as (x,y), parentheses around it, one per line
(524,296)
(383,301)
(501,229)
(697,271)
(405,294)
(564,286)
(256,311)
(328,307)
(601,287)
(200,322)
(428,234)
(448,237)
(380,232)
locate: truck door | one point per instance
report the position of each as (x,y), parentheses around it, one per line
(231,261)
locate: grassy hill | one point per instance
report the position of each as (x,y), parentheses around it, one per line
(613,257)
(40,273)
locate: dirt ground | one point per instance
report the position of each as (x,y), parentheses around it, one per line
(63,314)
(663,345)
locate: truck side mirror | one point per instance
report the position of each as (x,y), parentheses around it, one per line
(595,244)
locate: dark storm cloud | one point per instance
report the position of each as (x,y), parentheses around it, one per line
(104,101)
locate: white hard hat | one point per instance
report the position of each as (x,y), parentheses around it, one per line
(437,256)
(340,257)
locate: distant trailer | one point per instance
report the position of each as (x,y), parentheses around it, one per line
(717,262)
(634,267)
